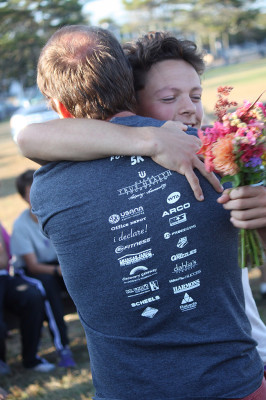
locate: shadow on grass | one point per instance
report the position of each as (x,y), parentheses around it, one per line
(7,187)
(59,384)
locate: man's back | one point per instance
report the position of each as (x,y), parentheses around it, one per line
(163,313)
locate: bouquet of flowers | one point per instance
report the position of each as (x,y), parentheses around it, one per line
(235,147)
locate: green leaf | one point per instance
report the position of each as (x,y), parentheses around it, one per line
(227,178)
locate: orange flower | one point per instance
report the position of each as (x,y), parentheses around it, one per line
(223,155)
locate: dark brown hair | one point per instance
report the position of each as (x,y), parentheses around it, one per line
(23,180)
(160,46)
(86,70)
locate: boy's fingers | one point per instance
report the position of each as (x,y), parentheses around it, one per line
(249,224)
(214,181)
(194,184)
(245,191)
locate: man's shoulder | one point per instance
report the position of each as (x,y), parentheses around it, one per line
(137,121)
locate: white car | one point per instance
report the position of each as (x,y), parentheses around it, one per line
(29,115)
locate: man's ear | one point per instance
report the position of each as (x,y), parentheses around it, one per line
(61,109)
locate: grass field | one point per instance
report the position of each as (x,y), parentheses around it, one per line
(59,384)
(248,80)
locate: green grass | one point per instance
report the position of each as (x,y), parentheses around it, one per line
(248,80)
(59,384)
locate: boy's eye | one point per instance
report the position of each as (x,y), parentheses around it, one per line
(196,97)
(168,99)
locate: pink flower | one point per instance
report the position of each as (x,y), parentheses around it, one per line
(235,147)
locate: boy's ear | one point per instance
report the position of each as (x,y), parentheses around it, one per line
(61,109)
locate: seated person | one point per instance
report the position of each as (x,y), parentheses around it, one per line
(25,301)
(3,394)
(36,262)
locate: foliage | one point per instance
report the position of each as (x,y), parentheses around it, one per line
(25,26)
(204,21)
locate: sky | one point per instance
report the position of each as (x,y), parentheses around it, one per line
(105,8)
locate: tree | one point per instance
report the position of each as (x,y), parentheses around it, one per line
(25,26)
(205,21)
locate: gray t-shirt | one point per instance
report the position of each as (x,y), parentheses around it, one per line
(155,278)
(27,238)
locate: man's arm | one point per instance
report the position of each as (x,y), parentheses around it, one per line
(248,208)
(87,139)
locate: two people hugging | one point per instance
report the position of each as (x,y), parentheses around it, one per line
(147,247)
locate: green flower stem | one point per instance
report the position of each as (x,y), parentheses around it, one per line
(253,248)
(250,249)
(259,247)
(242,248)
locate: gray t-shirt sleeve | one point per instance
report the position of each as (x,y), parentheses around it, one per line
(20,243)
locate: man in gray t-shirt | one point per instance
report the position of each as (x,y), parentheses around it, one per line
(163,315)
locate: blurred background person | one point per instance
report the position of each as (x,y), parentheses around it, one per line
(27,303)
(36,261)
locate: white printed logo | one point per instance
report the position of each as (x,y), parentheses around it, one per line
(145,301)
(183,255)
(133,212)
(114,219)
(115,158)
(136,160)
(132,234)
(121,248)
(154,285)
(181,278)
(178,219)
(138,269)
(182,242)
(138,274)
(121,226)
(185,266)
(186,299)
(176,209)
(144,288)
(186,286)
(167,235)
(173,197)
(144,184)
(188,303)
(149,312)
(142,174)
(130,259)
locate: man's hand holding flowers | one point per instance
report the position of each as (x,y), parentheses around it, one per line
(248,208)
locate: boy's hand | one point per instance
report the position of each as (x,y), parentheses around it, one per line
(247,205)
(176,150)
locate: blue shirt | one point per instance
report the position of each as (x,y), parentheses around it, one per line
(154,276)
